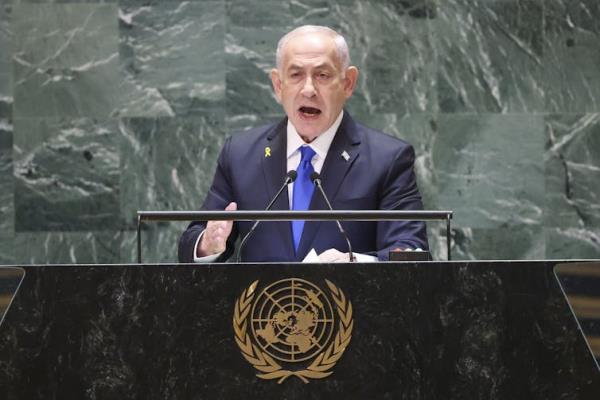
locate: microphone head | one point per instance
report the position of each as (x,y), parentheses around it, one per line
(315,176)
(292,175)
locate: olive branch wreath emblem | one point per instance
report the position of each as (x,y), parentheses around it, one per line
(320,367)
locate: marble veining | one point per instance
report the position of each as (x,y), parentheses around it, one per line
(571,55)
(502,170)
(61,54)
(108,107)
(172,59)
(7,212)
(572,162)
(490,56)
(66,175)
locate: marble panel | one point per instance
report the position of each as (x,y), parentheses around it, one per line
(572,55)
(572,163)
(82,247)
(167,164)
(6,134)
(66,175)
(509,242)
(6,99)
(159,2)
(63,1)
(253,30)
(490,169)
(490,55)
(7,210)
(172,59)
(436,236)
(390,43)
(159,243)
(569,243)
(65,60)
(5,55)
(6,37)
(7,247)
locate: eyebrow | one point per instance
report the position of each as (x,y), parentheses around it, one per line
(318,66)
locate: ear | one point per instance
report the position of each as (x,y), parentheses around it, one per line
(276,82)
(350,80)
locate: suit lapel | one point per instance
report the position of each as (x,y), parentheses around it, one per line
(274,164)
(341,156)
(273,159)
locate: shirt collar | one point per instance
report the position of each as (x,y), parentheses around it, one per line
(321,143)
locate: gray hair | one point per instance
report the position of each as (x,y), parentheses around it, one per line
(340,43)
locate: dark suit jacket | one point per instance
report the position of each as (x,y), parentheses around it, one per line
(378,175)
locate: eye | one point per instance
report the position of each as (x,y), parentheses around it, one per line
(323,76)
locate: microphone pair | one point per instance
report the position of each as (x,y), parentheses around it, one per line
(290,177)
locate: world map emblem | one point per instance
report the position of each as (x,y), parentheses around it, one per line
(293,328)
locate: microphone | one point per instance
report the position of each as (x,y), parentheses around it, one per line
(316,180)
(289,178)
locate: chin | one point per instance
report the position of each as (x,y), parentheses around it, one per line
(309,130)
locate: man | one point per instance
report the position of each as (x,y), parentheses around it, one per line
(360,168)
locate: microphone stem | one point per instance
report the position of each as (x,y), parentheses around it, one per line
(288,180)
(281,189)
(318,184)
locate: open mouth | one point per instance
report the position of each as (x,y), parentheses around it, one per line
(309,111)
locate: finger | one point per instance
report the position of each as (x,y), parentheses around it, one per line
(212,234)
(218,247)
(212,226)
(217,232)
(211,243)
(229,224)
(216,226)
(218,242)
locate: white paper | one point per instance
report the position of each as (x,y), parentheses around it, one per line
(311,257)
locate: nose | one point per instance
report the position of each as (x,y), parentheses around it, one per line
(308,89)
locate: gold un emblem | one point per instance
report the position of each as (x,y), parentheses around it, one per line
(291,329)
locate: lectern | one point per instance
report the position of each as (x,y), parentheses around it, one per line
(395,330)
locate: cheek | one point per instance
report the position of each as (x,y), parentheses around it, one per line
(287,93)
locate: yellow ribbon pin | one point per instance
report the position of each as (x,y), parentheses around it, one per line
(267,152)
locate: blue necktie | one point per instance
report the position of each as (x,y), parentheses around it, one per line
(303,191)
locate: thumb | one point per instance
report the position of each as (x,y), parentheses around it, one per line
(230,207)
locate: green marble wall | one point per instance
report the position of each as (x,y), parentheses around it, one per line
(107,107)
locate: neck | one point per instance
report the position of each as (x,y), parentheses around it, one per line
(307,139)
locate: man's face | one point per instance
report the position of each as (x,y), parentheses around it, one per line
(311,86)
